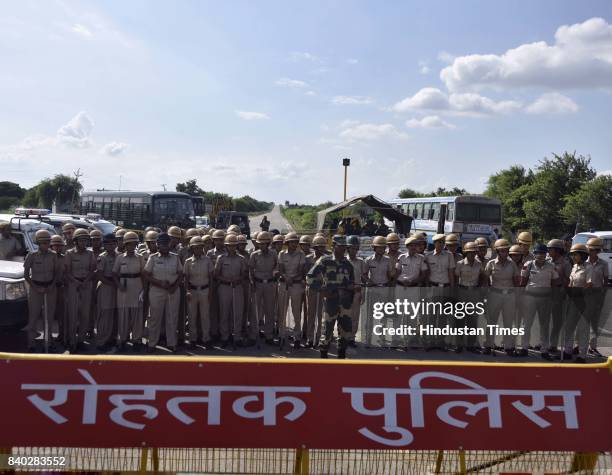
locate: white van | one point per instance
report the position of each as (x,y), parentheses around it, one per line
(13,294)
(606,251)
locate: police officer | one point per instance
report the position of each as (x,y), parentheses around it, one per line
(106,307)
(538,277)
(292,271)
(207,243)
(128,274)
(40,270)
(176,234)
(218,239)
(277,243)
(248,323)
(578,283)
(556,252)
(119,233)
(68,230)
(150,239)
(262,265)
(95,242)
(360,277)
(599,275)
(421,242)
(380,273)
(95,239)
(440,277)
(58,246)
(482,247)
(314,299)
(393,245)
(452,244)
(80,271)
(163,270)
(469,273)
(502,276)
(9,245)
(525,239)
(230,272)
(198,271)
(518,257)
(335,276)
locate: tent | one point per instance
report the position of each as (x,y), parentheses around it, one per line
(402,221)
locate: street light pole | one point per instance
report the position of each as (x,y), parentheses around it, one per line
(345,163)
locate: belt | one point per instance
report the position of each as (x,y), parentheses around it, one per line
(42,284)
(502,291)
(293,281)
(264,281)
(130,276)
(379,285)
(197,287)
(437,284)
(409,284)
(468,286)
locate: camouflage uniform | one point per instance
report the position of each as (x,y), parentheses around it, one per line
(336,278)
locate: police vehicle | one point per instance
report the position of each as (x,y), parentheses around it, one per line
(606,250)
(89,221)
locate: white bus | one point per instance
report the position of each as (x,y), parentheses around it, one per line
(469,216)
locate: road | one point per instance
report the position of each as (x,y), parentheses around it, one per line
(277,221)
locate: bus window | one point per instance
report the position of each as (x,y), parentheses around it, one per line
(436,211)
(489,213)
(450,212)
(426,211)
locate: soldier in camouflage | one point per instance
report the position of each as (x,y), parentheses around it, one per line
(335,276)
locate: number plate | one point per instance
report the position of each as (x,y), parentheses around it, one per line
(478,228)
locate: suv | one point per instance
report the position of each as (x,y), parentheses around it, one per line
(606,251)
(226,218)
(90,222)
(13,293)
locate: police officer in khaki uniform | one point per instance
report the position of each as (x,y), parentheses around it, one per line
(128,274)
(58,246)
(95,240)
(80,271)
(119,233)
(525,239)
(68,230)
(230,272)
(393,245)
(452,244)
(248,323)
(198,271)
(518,257)
(9,245)
(469,273)
(163,270)
(556,252)
(421,242)
(361,275)
(277,243)
(106,294)
(598,282)
(502,276)
(314,299)
(538,277)
(262,266)
(218,239)
(440,277)
(380,273)
(207,243)
(576,312)
(40,269)
(292,271)
(482,247)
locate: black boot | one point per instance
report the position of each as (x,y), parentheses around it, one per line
(341,353)
(324,354)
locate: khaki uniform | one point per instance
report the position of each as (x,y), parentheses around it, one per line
(576,312)
(537,295)
(163,303)
(440,265)
(231,297)
(107,300)
(596,296)
(314,307)
(559,299)
(468,280)
(198,277)
(292,269)
(262,268)
(42,268)
(79,265)
(9,246)
(359,267)
(130,319)
(61,315)
(501,297)
(378,281)
(213,254)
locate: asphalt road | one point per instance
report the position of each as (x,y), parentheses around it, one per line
(277,221)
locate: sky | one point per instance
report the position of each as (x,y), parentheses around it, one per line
(266,98)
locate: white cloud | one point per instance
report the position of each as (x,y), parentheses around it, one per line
(304,56)
(287,82)
(311,93)
(247,115)
(581,57)
(431,98)
(424,68)
(552,103)
(114,149)
(352,100)
(352,61)
(429,122)
(368,132)
(81,30)
(77,131)
(445,57)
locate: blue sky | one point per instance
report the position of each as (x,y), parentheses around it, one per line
(265,98)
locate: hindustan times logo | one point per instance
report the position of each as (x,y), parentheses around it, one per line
(411,309)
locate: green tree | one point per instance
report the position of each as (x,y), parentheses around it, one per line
(511,186)
(591,206)
(409,193)
(190,187)
(61,189)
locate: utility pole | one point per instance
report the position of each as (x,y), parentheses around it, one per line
(77,174)
(163,186)
(345,163)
